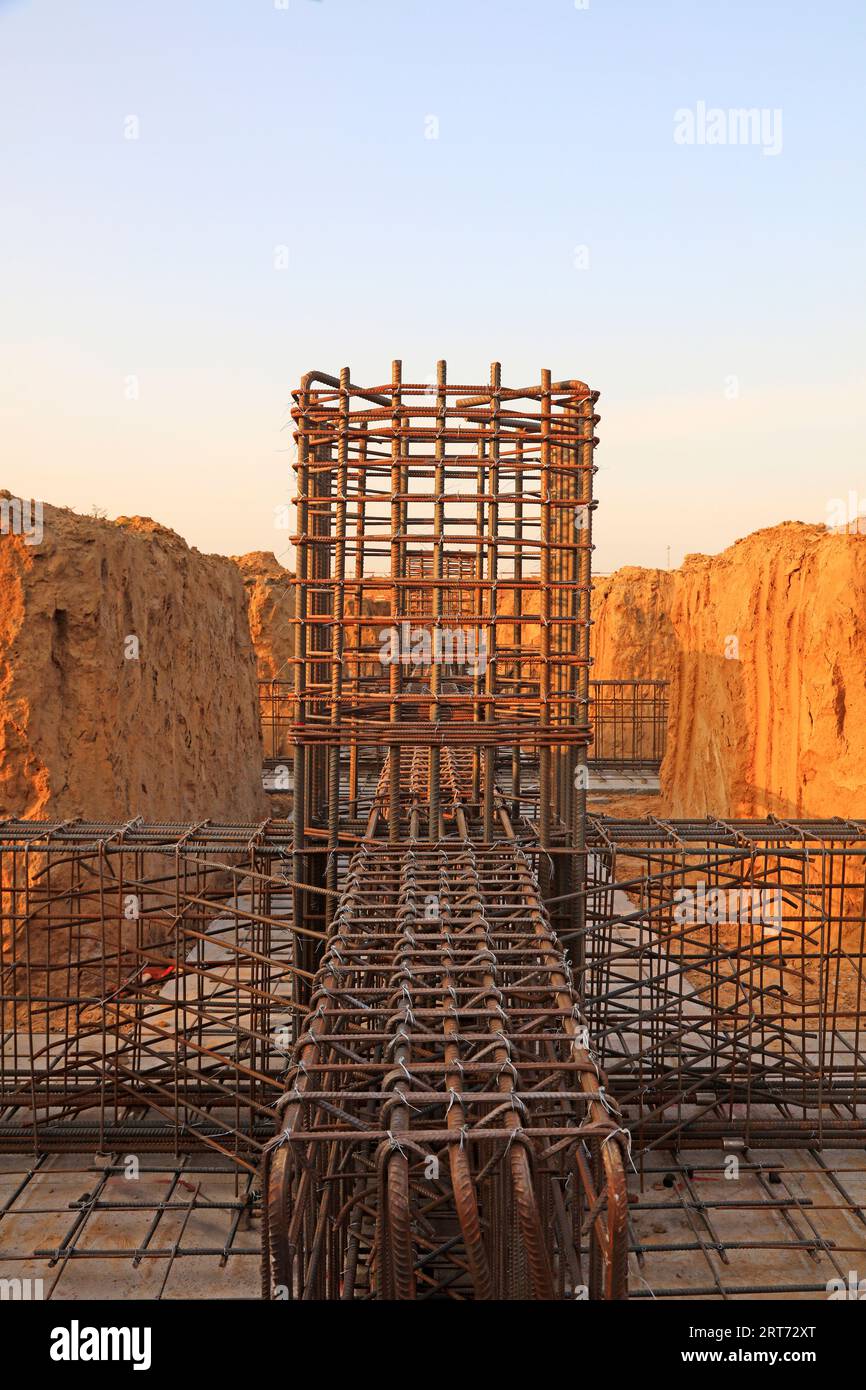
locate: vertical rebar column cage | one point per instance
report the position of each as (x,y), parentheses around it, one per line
(442,575)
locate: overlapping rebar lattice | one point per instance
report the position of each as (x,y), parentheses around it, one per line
(716,1032)
(726,978)
(470,508)
(149,982)
(445,1130)
(628,717)
(629,724)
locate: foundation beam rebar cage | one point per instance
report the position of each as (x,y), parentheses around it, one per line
(725,981)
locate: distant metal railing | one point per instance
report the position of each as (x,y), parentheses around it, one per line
(629,720)
(275,704)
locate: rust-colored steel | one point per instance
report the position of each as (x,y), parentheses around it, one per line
(146,968)
(441,602)
(629,720)
(725,974)
(445,1127)
(441,529)
(446,1130)
(443,1111)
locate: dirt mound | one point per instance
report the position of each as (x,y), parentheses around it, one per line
(127,675)
(765,649)
(270,600)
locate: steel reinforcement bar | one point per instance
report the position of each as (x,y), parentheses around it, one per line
(725,978)
(151,978)
(445,1130)
(629,721)
(442,588)
(628,717)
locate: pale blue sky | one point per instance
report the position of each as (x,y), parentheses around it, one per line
(304,127)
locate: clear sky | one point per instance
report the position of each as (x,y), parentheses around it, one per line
(283,207)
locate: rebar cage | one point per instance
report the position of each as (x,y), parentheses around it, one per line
(148,985)
(466,508)
(444,1132)
(629,720)
(725,979)
(478,496)
(406,1011)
